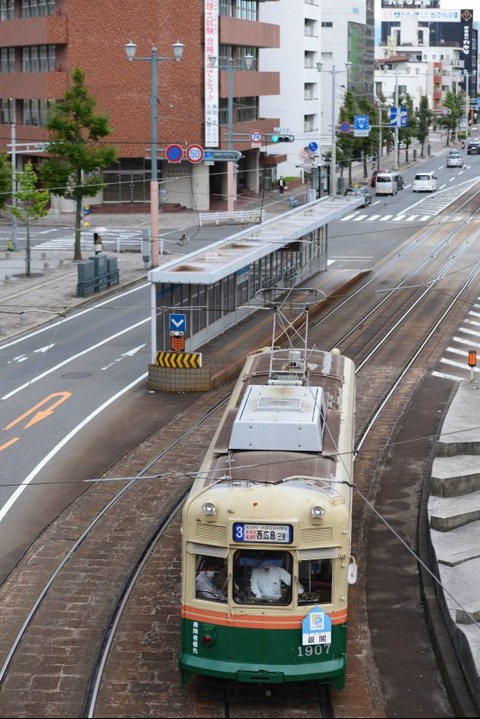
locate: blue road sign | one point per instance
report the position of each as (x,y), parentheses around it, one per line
(222,155)
(361,122)
(398,117)
(313,146)
(361,125)
(178,323)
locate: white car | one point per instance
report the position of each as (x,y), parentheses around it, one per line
(455,160)
(425,182)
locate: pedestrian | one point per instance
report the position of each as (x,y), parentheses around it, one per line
(97,243)
(281,185)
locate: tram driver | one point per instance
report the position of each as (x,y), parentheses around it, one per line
(267,578)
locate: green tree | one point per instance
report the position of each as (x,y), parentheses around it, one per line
(369,144)
(74,167)
(347,142)
(450,121)
(407,134)
(5,178)
(31,204)
(424,118)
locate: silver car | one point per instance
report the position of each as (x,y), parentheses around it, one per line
(455,160)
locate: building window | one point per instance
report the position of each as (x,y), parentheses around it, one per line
(38,58)
(309,60)
(7,59)
(37,8)
(327,24)
(35,112)
(226,8)
(309,90)
(309,123)
(247,109)
(309,28)
(7,111)
(246,10)
(7,9)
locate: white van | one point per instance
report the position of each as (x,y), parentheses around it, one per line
(385,184)
(425,182)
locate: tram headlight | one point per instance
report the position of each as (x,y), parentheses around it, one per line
(318,512)
(209,509)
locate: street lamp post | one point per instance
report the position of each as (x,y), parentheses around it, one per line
(333,152)
(14,184)
(130,50)
(395,156)
(467,99)
(230,67)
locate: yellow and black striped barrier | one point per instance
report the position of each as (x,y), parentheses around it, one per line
(179,360)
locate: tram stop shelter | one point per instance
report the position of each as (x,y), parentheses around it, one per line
(200,296)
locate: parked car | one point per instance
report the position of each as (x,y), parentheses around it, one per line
(399,179)
(473,147)
(358,192)
(455,159)
(425,182)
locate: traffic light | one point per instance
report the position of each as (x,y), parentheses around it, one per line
(283,138)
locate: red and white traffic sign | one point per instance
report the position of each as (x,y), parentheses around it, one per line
(256,136)
(195,153)
(174,153)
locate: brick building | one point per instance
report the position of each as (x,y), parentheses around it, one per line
(41,41)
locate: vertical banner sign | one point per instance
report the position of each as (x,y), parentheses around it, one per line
(211,11)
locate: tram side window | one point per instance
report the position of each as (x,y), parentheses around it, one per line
(316,578)
(261,577)
(211,579)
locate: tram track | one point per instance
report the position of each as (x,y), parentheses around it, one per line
(121,676)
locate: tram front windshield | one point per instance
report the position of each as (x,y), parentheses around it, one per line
(264,577)
(261,577)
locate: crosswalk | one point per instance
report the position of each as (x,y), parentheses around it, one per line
(421,211)
(399,217)
(454,361)
(112,238)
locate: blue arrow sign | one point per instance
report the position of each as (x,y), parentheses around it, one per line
(403,117)
(178,323)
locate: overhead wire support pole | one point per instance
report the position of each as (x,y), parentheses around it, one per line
(231,195)
(333,154)
(14,185)
(130,50)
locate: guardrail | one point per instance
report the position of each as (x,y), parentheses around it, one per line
(237,217)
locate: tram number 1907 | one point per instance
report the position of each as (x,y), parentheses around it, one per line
(310,651)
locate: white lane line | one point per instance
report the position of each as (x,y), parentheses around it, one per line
(19,491)
(73,357)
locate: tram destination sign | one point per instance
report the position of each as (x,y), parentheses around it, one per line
(263,533)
